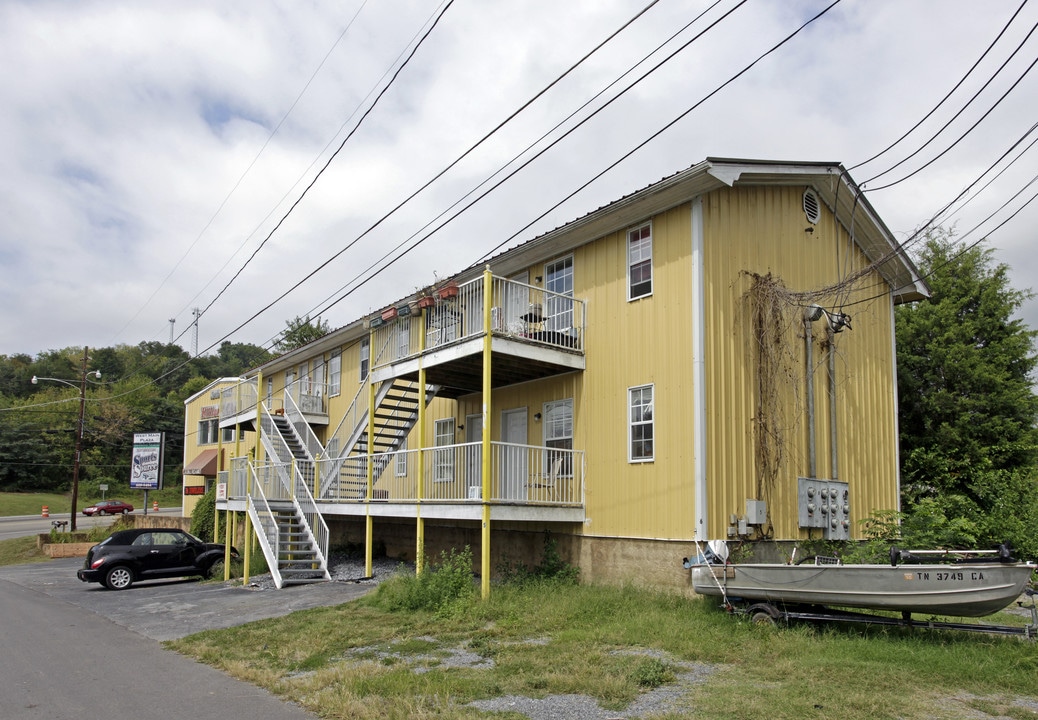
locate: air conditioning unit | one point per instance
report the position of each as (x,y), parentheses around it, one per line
(475,492)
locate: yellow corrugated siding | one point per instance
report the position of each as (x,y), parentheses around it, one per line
(762,230)
(630,344)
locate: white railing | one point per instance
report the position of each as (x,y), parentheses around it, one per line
(265,521)
(304,433)
(517,310)
(523,474)
(237,399)
(318,529)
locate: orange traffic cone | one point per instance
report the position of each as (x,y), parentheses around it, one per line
(46,511)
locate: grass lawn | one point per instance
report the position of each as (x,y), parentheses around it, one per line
(371,659)
(61,503)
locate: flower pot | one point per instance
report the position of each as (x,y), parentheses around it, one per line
(389,313)
(426,301)
(447,291)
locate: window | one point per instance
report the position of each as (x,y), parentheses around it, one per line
(401,459)
(639,262)
(365,358)
(641,424)
(558,434)
(335,372)
(270,391)
(403,339)
(558,311)
(317,388)
(443,460)
(304,380)
(207,430)
(227,434)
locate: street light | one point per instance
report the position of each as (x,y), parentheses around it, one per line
(79,430)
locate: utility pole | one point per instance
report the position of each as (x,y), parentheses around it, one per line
(194,346)
(172,322)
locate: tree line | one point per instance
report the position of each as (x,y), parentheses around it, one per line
(967,406)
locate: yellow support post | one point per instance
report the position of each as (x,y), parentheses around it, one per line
(369,528)
(419,557)
(488,287)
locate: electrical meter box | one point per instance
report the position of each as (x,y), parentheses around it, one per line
(825,504)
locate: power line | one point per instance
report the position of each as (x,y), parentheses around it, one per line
(335,154)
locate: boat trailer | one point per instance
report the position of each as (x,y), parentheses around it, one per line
(766,613)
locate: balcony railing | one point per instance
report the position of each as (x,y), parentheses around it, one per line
(238,399)
(522,474)
(517,310)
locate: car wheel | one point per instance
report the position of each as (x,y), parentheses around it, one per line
(119,578)
(100,512)
(125,511)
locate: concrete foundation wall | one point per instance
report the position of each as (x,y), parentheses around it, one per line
(607,561)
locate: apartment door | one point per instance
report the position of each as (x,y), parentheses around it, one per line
(514,464)
(473,455)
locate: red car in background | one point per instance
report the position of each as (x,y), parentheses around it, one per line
(109,507)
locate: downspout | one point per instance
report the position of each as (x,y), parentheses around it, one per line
(834,456)
(809,380)
(699,374)
(487,347)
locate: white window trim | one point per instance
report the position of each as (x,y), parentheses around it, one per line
(546,410)
(443,429)
(364,355)
(335,373)
(400,466)
(631,424)
(630,266)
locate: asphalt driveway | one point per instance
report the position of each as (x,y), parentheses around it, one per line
(169,609)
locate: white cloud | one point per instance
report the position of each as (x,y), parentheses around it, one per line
(125,126)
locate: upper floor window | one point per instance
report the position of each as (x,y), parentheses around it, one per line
(335,372)
(207,430)
(558,308)
(365,358)
(639,261)
(640,423)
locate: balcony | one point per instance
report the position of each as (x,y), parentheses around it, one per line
(534,334)
(526,483)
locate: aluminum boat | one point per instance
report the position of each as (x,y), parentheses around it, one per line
(971,584)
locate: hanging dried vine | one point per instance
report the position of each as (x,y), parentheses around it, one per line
(769,304)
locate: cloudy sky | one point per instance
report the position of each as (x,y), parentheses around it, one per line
(150,152)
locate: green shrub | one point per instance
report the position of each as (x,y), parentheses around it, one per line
(438,589)
(203,515)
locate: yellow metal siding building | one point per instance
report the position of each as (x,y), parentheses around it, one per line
(629,381)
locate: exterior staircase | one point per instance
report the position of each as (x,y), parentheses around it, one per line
(396,413)
(295,537)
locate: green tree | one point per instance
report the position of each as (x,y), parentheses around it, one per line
(967,406)
(301,331)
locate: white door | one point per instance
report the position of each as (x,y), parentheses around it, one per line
(473,455)
(514,464)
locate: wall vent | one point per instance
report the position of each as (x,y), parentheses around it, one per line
(811,206)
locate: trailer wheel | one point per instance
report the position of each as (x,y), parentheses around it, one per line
(764,614)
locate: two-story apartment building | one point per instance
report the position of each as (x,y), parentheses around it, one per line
(709,357)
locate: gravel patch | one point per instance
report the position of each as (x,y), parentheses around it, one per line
(346,569)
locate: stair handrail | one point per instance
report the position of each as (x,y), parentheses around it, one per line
(263,518)
(313,521)
(353,415)
(306,436)
(276,446)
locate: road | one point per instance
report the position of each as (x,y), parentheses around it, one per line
(24,525)
(73,649)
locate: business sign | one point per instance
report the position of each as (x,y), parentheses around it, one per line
(146,465)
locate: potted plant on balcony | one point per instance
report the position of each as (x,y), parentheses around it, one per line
(389,313)
(447,291)
(425,298)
